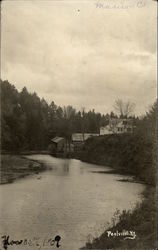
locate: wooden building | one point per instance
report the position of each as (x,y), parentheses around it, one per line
(117,126)
(58,144)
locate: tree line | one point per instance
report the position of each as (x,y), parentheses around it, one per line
(29,122)
(135,154)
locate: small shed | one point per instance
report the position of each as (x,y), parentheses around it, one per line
(58,144)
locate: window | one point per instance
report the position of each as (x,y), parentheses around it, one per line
(124,122)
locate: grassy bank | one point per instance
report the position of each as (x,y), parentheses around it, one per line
(130,154)
(142,221)
(133,155)
(15,166)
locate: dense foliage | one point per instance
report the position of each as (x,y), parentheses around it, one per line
(129,154)
(28,122)
(134,154)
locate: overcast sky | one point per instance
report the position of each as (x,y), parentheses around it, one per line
(75,53)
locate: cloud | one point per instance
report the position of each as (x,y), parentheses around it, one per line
(73,53)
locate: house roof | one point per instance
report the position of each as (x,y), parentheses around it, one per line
(88,135)
(80,137)
(77,137)
(57,139)
(121,124)
(119,121)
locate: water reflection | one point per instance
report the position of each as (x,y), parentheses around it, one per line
(72,199)
(66,167)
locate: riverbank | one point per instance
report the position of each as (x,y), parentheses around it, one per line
(129,155)
(141,221)
(16,166)
(25,152)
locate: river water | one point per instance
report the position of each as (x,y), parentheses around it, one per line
(72,199)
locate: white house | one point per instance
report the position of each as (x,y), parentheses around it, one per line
(117,126)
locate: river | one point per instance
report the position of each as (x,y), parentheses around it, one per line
(72,199)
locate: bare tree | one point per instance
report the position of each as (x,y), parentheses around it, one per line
(83,120)
(124,109)
(69,112)
(83,111)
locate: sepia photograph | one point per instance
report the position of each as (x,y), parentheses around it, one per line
(78,127)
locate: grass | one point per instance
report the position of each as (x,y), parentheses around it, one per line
(15,166)
(132,155)
(142,220)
